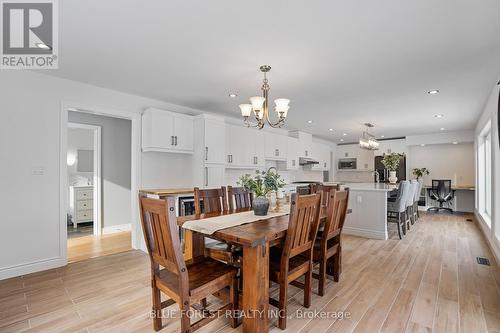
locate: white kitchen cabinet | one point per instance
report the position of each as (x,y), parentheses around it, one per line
(209,151)
(292,156)
(244,147)
(321,152)
(275,146)
(365,159)
(304,144)
(392,146)
(166,131)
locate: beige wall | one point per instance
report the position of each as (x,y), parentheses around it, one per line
(445,161)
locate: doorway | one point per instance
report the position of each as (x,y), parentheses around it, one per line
(99,182)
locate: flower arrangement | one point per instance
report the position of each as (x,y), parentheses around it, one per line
(391,161)
(420,172)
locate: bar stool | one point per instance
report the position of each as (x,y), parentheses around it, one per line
(396,207)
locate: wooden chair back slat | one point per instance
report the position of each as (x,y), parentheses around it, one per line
(160,230)
(214,200)
(324,190)
(241,197)
(303,224)
(337,210)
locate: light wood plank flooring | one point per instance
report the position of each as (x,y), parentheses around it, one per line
(428,282)
(86,247)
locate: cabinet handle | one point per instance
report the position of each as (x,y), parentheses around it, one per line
(176,140)
(172,140)
(206,153)
(231,158)
(306,152)
(293,162)
(324,165)
(277,152)
(206,176)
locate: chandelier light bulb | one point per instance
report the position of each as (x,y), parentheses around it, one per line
(246,109)
(257,102)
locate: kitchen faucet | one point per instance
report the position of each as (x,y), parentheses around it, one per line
(377,176)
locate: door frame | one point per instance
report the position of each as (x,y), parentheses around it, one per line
(96,174)
(136,163)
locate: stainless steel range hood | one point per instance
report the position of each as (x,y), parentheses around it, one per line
(307,161)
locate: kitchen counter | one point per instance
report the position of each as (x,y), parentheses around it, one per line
(164,192)
(382,187)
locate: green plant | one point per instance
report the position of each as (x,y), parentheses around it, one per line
(420,172)
(391,161)
(262,183)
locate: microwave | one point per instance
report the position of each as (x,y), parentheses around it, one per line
(347,164)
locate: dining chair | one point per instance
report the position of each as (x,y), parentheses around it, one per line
(294,259)
(396,208)
(410,200)
(416,197)
(324,190)
(327,243)
(186,283)
(213,201)
(239,197)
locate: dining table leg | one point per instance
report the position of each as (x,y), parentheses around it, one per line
(194,244)
(256,288)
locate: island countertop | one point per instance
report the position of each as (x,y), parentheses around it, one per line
(163,192)
(381,187)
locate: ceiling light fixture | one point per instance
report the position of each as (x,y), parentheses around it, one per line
(260,108)
(422,144)
(382,136)
(438,116)
(43,46)
(233,95)
(442,128)
(330,129)
(309,121)
(368,141)
(433,92)
(341,140)
(344,134)
(455,142)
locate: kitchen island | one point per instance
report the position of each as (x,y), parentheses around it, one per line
(368,202)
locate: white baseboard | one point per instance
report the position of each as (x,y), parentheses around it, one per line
(116,228)
(32,267)
(492,241)
(364,233)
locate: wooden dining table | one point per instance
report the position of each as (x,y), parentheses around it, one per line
(255,238)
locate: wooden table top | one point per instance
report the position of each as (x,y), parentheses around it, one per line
(162,192)
(250,234)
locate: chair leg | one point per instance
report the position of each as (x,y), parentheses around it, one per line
(322,276)
(233,295)
(185,320)
(156,308)
(283,304)
(308,287)
(336,266)
(399,226)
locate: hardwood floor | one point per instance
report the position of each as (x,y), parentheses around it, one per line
(86,247)
(428,282)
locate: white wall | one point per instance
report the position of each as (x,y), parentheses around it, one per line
(116,167)
(490,114)
(444,161)
(30,133)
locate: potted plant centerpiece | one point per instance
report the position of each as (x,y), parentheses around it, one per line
(420,172)
(263,183)
(391,163)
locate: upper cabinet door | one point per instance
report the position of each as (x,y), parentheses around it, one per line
(275,146)
(215,141)
(292,159)
(157,130)
(184,130)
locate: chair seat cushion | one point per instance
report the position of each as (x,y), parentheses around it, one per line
(200,274)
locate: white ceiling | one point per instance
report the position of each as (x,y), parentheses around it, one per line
(342,63)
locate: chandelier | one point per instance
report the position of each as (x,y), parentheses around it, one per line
(259,106)
(368,141)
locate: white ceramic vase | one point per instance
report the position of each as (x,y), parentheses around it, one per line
(392,177)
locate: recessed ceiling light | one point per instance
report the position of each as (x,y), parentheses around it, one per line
(309,121)
(422,144)
(442,128)
(433,92)
(330,129)
(382,136)
(233,95)
(341,140)
(344,134)
(438,116)
(455,142)
(43,46)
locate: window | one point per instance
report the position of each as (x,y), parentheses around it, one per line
(484,160)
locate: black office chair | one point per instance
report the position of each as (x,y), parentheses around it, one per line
(441,192)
